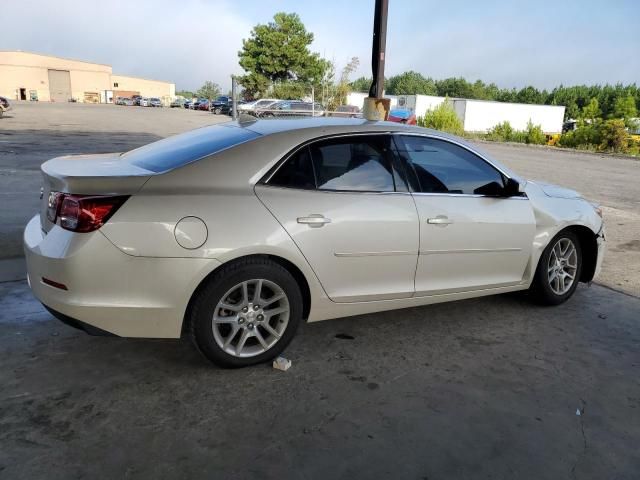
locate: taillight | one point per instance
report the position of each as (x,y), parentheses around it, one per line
(80,213)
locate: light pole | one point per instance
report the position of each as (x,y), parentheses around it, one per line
(234,94)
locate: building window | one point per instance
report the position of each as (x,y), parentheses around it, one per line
(115,84)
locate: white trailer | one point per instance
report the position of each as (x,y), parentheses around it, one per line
(480,116)
(357,99)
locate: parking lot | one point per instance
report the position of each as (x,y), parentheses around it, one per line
(486,388)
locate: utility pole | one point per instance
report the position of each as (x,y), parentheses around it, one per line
(376,107)
(234,100)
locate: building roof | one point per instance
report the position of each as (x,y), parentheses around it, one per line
(54,56)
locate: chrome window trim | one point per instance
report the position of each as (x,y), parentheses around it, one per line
(470,195)
(315,190)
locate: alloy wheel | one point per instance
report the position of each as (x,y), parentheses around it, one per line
(562,266)
(250,318)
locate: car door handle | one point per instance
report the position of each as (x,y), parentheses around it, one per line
(314,220)
(439,220)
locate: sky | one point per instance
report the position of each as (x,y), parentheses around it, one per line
(513,43)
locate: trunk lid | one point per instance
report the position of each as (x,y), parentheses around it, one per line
(103,174)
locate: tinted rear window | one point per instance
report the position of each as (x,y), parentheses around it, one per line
(187,147)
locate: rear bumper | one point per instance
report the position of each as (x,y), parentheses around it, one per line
(107,289)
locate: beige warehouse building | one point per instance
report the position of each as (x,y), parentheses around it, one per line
(31,76)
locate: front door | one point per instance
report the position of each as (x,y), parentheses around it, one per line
(470,237)
(347,210)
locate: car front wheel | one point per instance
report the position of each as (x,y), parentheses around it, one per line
(558,270)
(247,313)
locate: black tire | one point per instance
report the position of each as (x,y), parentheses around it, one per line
(204,304)
(540,287)
(217,111)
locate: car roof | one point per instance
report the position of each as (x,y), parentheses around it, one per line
(311,127)
(326,125)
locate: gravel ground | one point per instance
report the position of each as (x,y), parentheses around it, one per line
(33,133)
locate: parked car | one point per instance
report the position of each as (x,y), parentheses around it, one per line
(204,105)
(195,104)
(145,102)
(251,107)
(350,111)
(5,106)
(219,235)
(402,115)
(136,99)
(178,103)
(128,102)
(221,104)
(291,108)
(155,102)
(123,101)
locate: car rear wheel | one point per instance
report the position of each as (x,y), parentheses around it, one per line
(247,313)
(558,270)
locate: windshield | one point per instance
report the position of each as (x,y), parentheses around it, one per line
(188,147)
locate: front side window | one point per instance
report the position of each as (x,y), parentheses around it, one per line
(360,163)
(444,167)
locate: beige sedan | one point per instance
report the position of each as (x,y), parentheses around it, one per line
(236,233)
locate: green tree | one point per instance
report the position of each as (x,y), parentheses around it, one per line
(410,83)
(278,52)
(185,94)
(361,84)
(454,87)
(289,90)
(625,108)
(443,118)
(335,93)
(209,90)
(591,111)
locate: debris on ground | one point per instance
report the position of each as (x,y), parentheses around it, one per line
(281,363)
(344,336)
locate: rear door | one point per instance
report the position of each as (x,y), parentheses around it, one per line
(343,203)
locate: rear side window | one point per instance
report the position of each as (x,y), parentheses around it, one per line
(296,172)
(188,147)
(359,163)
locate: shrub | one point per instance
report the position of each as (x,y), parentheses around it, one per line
(614,136)
(609,135)
(443,118)
(535,135)
(502,132)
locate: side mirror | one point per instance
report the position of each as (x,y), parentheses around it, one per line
(513,188)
